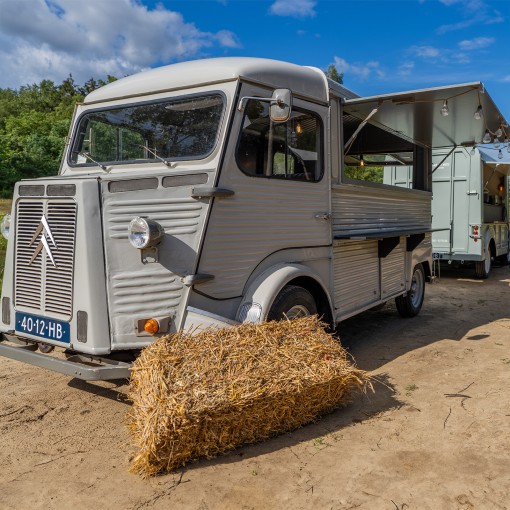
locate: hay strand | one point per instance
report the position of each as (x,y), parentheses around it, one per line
(203,394)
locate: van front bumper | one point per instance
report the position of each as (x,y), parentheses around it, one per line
(80,366)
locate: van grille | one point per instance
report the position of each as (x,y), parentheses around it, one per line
(43,285)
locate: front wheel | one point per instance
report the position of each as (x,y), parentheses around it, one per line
(410,304)
(291,303)
(483,267)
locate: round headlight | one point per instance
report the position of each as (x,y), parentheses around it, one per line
(145,233)
(5,226)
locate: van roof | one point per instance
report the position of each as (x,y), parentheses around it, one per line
(308,82)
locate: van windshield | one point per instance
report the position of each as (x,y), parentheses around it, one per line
(177,129)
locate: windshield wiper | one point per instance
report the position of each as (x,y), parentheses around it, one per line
(167,163)
(88,156)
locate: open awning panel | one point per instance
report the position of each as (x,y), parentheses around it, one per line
(416,115)
(491,155)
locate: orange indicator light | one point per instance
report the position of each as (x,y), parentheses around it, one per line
(151,326)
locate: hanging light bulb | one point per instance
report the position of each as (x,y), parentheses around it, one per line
(506,142)
(473,151)
(486,137)
(299,128)
(479,112)
(361,161)
(499,133)
(500,154)
(445,110)
(496,142)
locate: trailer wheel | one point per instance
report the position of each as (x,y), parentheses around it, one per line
(483,267)
(410,304)
(292,302)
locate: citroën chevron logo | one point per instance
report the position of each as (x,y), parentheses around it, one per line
(44,230)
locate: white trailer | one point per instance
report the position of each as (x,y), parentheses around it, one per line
(220,191)
(470,205)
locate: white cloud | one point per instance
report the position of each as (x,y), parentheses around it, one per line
(361,71)
(52,38)
(294,8)
(425,51)
(474,12)
(406,68)
(476,43)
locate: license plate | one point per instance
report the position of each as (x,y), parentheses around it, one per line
(437,255)
(43,327)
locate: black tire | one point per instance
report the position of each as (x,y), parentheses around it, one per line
(483,267)
(410,304)
(292,302)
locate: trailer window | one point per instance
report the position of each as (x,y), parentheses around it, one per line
(289,150)
(183,128)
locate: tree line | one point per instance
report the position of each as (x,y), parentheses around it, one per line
(34,121)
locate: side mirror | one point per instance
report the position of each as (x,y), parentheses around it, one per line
(281,105)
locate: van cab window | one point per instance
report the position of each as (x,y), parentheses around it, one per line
(180,128)
(289,150)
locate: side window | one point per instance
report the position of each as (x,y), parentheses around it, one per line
(290,150)
(378,155)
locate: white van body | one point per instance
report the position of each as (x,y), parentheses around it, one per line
(252,217)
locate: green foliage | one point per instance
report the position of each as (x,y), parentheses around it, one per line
(332,73)
(34,122)
(365,173)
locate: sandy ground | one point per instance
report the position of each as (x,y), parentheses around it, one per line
(434,435)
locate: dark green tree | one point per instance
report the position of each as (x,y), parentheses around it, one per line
(332,73)
(34,121)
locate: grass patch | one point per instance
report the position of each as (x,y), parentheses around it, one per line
(5,207)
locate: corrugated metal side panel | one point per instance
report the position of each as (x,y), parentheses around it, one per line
(264,216)
(363,209)
(356,274)
(393,271)
(176,216)
(153,292)
(137,289)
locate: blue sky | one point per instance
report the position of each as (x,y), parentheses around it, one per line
(381,46)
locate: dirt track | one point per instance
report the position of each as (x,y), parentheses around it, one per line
(434,435)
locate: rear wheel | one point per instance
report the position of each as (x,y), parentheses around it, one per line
(483,267)
(292,302)
(410,304)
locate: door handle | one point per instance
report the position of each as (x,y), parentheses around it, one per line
(323,216)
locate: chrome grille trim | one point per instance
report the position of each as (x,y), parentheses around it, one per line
(40,286)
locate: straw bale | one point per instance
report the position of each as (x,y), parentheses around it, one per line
(199,395)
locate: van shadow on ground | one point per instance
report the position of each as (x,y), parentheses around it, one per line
(454,305)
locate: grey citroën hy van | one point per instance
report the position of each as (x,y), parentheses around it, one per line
(220,191)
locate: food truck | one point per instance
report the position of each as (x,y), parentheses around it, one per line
(214,192)
(470,204)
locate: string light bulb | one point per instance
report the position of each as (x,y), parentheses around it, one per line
(500,154)
(445,110)
(506,142)
(496,143)
(361,161)
(299,128)
(473,151)
(487,137)
(479,113)
(499,133)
